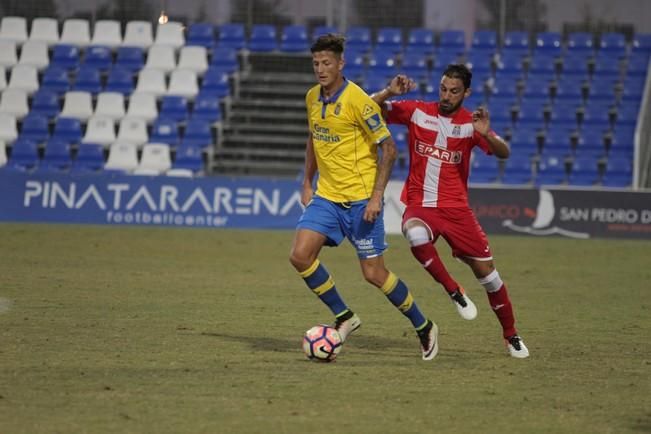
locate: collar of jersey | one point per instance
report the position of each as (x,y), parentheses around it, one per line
(334,96)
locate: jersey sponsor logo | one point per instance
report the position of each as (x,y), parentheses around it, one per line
(367,110)
(456,131)
(428,150)
(374,122)
(323,134)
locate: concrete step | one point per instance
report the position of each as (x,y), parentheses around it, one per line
(264,140)
(268,103)
(297,129)
(246,115)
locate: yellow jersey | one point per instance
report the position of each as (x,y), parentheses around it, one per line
(346,130)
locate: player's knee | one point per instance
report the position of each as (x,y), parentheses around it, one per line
(375,276)
(416,233)
(300,261)
(491,282)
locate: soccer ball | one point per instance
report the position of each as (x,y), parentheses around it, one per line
(322,343)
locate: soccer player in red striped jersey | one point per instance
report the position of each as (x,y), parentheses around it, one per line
(441,137)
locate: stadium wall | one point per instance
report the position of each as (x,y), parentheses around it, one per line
(260,203)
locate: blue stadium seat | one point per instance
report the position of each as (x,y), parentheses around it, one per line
(216,84)
(585,171)
(225,59)
(618,172)
(627,114)
(358,38)
(399,134)
(580,41)
(57,156)
(55,79)
(375,82)
(641,43)
(551,171)
(415,65)
(88,79)
(516,41)
(596,115)
(517,170)
(568,89)
(602,91)
(563,115)
(480,61)
(484,39)
(355,66)
(637,65)
(35,127)
(201,34)
(382,63)
(99,57)
(174,107)
(232,36)
(45,103)
(606,66)
(549,42)
(130,58)
(24,155)
(452,39)
(165,131)
(67,129)
(294,39)
(531,112)
(65,56)
(444,56)
(323,30)
(188,157)
(262,38)
(500,110)
(198,133)
(543,63)
(90,158)
(590,143)
(537,87)
(509,62)
(632,92)
(420,40)
(575,66)
(613,43)
(119,80)
(389,38)
(484,168)
(622,143)
(524,141)
(505,86)
(475,99)
(206,107)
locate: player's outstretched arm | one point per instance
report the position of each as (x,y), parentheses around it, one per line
(399,85)
(481,124)
(389,155)
(310,171)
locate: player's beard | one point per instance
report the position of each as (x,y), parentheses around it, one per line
(448,109)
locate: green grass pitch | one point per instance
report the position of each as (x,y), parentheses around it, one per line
(107,329)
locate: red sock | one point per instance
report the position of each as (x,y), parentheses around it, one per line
(429,258)
(501,304)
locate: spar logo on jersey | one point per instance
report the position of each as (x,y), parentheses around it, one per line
(431,151)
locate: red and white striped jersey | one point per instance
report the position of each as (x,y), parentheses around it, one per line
(439,153)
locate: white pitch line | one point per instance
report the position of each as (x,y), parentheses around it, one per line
(5,305)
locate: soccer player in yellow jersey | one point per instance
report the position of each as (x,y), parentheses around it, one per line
(346,129)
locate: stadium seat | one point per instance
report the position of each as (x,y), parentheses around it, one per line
(225,59)
(613,43)
(25,78)
(580,41)
(111,105)
(34,127)
(382,63)
(201,35)
(24,156)
(174,107)
(536,87)
(170,34)
(3,78)
(585,171)
(3,154)
(183,82)
(355,66)
(551,171)
(130,58)
(76,31)
(590,144)
(35,53)
(65,56)
(155,160)
(57,156)
(323,30)
(107,33)
(637,65)
(161,57)
(99,57)
(618,172)
(524,141)
(8,128)
(510,62)
(543,63)
(88,79)
(389,39)
(602,92)
(165,131)
(14,102)
(232,36)
(358,38)
(138,34)
(632,92)
(46,103)
(501,109)
(484,169)
(78,105)
(13,29)
(627,114)
(198,133)
(143,106)
(45,30)
(517,170)
(216,84)
(194,59)
(596,115)
(641,43)
(133,130)
(152,81)
(89,158)
(294,39)
(68,129)
(122,157)
(549,42)
(517,42)
(100,130)
(262,38)
(452,39)
(206,107)
(568,89)
(415,66)
(480,62)
(443,56)
(420,40)
(8,54)
(484,39)
(119,80)
(375,82)
(189,158)
(622,143)
(504,87)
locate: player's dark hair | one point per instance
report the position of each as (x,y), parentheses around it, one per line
(329,42)
(460,71)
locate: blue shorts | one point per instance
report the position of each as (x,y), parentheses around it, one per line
(336,221)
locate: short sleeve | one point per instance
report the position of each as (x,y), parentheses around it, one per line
(369,116)
(399,112)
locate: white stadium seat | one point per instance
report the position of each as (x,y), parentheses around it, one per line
(183,82)
(152,81)
(138,34)
(170,34)
(155,159)
(77,105)
(3,153)
(13,29)
(35,53)
(143,105)
(161,57)
(76,31)
(193,58)
(133,131)
(24,77)
(122,156)
(8,129)
(3,78)
(45,30)
(110,104)
(14,101)
(107,32)
(8,56)
(100,130)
